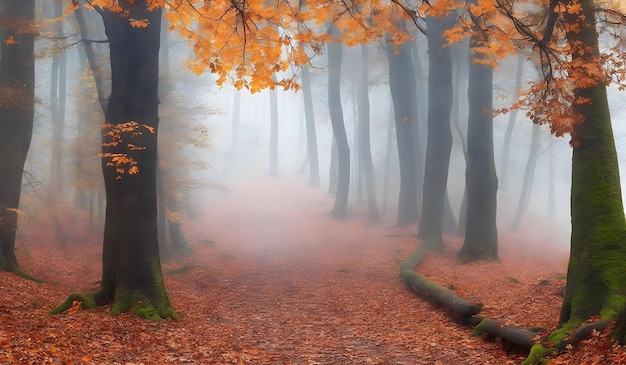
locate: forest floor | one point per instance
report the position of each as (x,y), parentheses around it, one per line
(275,280)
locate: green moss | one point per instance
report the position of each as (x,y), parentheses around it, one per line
(155,308)
(613,306)
(478,331)
(87,302)
(563,333)
(538,355)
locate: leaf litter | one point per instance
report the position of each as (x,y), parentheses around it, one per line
(283,283)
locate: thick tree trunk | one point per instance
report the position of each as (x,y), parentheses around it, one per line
(439,145)
(131,273)
(403,88)
(340,208)
(365,151)
(481,237)
(311,134)
(596,276)
(17,83)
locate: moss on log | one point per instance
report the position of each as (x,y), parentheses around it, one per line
(420,285)
(521,339)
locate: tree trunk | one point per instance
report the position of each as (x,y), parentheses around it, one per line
(311,135)
(58,91)
(332,170)
(365,151)
(596,275)
(439,145)
(388,158)
(506,145)
(403,88)
(340,208)
(17,106)
(273,133)
(527,182)
(481,237)
(234,137)
(131,273)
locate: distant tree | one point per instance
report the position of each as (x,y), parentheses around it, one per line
(506,144)
(527,180)
(17,106)
(273,133)
(58,93)
(365,151)
(311,133)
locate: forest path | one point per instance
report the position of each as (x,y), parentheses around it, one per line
(275,280)
(292,284)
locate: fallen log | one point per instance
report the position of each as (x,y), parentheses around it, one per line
(420,286)
(521,339)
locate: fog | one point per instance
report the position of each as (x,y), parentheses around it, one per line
(203,157)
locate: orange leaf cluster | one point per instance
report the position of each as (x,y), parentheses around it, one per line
(122,162)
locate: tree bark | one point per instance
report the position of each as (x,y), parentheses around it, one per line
(131,273)
(365,151)
(58,92)
(403,94)
(273,133)
(527,181)
(481,237)
(439,143)
(506,145)
(596,276)
(340,208)
(17,105)
(311,134)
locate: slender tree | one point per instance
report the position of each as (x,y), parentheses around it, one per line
(273,133)
(311,133)
(365,151)
(339,130)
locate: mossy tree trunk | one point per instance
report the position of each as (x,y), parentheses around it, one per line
(481,237)
(439,143)
(596,277)
(17,82)
(403,85)
(131,273)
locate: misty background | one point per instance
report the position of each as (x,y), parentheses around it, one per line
(202,154)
